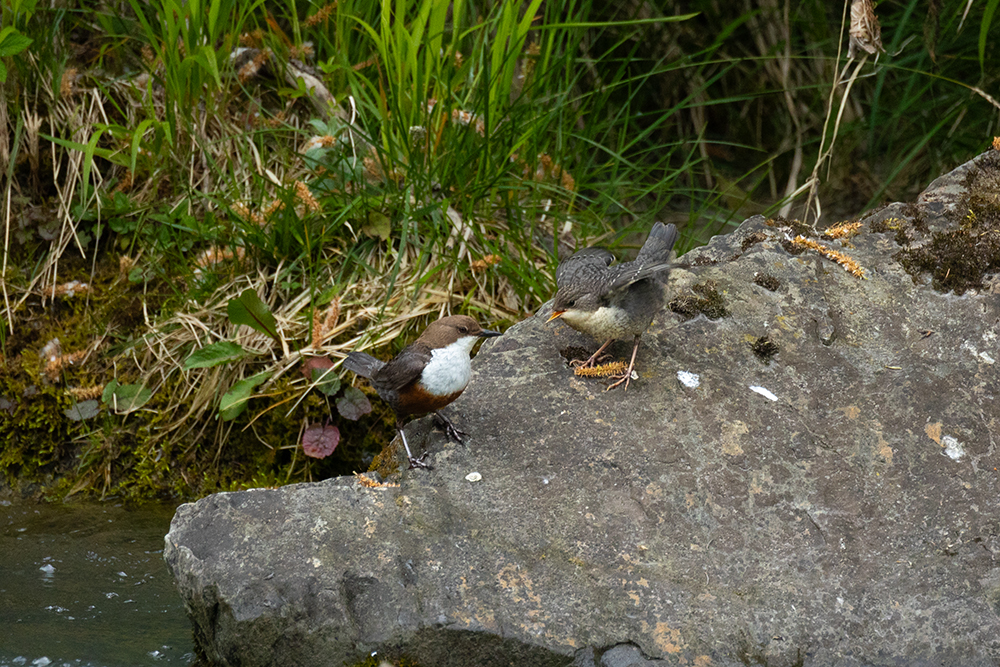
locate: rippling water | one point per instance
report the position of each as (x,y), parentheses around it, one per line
(86,585)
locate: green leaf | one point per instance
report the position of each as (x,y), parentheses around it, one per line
(248,309)
(125,398)
(205,56)
(378,225)
(984,30)
(137,137)
(13,42)
(214,354)
(114,156)
(234,401)
(326,382)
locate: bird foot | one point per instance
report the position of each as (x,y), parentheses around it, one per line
(589,363)
(626,377)
(419,462)
(450,430)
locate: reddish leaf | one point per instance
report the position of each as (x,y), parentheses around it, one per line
(353,404)
(315,363)
(317,371)
(320,441)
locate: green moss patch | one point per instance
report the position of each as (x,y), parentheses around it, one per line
(959,259)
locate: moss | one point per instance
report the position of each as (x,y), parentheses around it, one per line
(891,224)
(796,226)
(752,239)
(960,258)
(386,462)
(706,300)
(916,216)
(45,453)
(377,661)
(764,348)
(767,281)
(792,248)
(34,440)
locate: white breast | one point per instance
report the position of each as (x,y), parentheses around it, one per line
(450,368)
(602,323)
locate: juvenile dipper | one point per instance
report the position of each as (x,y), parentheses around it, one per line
(611,302)
(427,375)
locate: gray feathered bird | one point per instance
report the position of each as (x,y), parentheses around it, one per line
(612,302)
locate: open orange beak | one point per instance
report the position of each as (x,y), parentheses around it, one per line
(555,314)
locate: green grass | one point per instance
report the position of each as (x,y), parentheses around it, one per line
(395,162)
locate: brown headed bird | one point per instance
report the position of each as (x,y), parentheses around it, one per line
(427,375)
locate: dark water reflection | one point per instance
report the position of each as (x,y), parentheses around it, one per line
(85,584)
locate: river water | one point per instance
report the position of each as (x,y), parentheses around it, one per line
(85,585)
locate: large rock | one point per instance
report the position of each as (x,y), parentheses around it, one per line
(829,496)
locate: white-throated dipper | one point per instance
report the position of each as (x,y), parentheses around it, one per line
(612,302)
(427,375)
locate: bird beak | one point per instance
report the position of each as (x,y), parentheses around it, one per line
(489,333)
(555,314)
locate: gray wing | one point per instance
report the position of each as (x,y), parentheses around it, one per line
(625,274)
(587,262)
(404,369)
(654,257)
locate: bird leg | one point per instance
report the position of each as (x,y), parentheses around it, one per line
(414,462)
(590,363)
(450,429)
(628,374)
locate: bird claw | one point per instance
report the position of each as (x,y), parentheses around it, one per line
(626,378)
(450,430)
(419,462)
(455,434)
(589,363)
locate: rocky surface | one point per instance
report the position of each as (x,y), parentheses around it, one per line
(809,478)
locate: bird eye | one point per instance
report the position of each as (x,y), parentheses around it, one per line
(571,303)
(463,329)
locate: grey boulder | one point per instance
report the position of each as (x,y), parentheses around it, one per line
(804,473)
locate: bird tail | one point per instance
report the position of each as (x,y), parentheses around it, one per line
(658,244)
(362,364)
(652,261)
